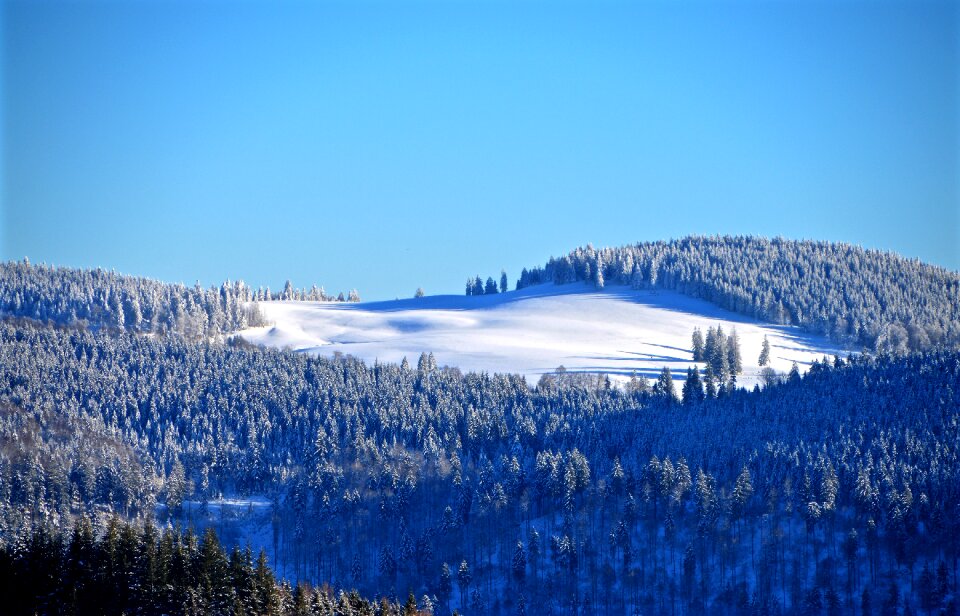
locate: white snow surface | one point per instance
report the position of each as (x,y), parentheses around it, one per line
(616,331)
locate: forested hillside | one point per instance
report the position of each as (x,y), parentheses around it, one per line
(835,489)
(863,298)
(98,298)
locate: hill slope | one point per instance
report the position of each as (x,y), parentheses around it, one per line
(533,331)
(868,298)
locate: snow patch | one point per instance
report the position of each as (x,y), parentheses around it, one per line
(616,331)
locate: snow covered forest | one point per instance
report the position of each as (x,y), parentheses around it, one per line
(97,298)
(833,492)
(874,299)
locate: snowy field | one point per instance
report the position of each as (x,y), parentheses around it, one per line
(615,331)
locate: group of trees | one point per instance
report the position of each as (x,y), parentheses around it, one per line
(313,294)
(721,353)
(124,568)
(476,286)
(101,299)
(877,300)
(482,493)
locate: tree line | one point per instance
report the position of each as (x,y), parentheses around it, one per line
(101,299)
(476,286)
(125,568)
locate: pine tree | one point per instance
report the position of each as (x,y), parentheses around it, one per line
(764,352)
(637,384)
(734,359)
(698,344)
(742,492)
(463,579)
(80,572)
(214,574)
(445,586)
(242,579)
(519,564)
(266,597)
(692,391)
(709,383)
(664,386)
(710,345)
(794,375)
(504,283)
(410,607)
(301,601)
(176,487)
(719,356)
(116,311)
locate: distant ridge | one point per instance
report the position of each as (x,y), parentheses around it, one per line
(870,298)
(106,299)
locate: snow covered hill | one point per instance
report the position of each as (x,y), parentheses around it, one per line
(616,331)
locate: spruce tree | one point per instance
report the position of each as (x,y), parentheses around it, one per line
(698,344)
(445,586)
(734,359)
(463,579)
(664,386)
(764,352)
(794,374)
(519,564)
(692,391)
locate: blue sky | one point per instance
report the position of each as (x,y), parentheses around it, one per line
(385,146)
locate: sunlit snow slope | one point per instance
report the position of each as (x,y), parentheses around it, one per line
(616,331)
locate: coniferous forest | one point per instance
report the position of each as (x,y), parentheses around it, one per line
(866,298)
(101,299)
(127,569)
(416,487)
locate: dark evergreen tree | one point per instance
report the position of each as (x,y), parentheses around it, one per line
(519,564)
(664,386)
(692,391)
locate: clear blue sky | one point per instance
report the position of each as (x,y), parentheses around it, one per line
(386,146)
